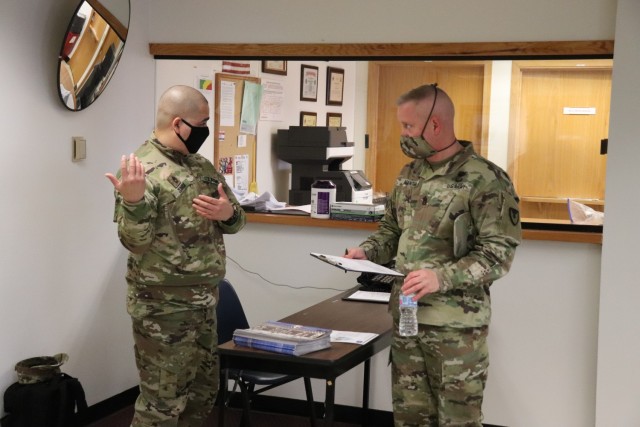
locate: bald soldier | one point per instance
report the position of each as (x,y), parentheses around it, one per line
(452,224)
(172,208)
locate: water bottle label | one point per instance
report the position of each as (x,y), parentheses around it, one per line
(407,301)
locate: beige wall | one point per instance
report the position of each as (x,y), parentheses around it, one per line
(371,21)
(61,267)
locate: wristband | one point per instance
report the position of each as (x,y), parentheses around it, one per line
(234,217)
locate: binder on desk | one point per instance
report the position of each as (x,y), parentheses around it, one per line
(281,337)
(358,265)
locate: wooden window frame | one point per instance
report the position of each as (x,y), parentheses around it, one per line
(591,49)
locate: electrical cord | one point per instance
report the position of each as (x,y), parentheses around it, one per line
(281,284)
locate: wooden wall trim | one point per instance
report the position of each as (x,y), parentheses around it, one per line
(590,48)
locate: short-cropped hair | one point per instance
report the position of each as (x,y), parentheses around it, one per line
(419,93)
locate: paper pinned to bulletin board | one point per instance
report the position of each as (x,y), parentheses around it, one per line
(234,141)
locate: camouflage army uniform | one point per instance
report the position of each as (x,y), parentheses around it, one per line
(459,218)
(175,263)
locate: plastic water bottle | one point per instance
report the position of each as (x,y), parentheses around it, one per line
(408,316)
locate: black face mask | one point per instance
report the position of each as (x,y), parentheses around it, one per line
(196,138)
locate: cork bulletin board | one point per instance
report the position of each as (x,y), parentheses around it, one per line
(233,150)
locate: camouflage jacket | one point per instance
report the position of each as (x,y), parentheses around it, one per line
(176,256)
(459,218)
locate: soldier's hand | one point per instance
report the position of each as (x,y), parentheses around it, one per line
(355,253)
(220,209)
(132,179)
(420,283)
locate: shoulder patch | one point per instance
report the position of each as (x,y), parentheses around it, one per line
(514,216)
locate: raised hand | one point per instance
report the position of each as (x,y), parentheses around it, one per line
(219,209)
(132,179)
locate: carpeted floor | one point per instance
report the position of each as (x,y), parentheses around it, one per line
(232,419)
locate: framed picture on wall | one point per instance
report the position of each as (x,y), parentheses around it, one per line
(334,120)
(275,67)
(308,83)
(335,85)
(308,119)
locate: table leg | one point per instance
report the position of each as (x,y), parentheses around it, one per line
(365,393)
(330,396)
(309,392)
(224,383)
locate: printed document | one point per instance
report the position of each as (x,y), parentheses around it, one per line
(352,337)
(369,296)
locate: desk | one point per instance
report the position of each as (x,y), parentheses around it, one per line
(328,364)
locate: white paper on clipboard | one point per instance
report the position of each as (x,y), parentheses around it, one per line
(369,296)
(358,265)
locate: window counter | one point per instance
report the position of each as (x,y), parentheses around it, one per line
(559,231)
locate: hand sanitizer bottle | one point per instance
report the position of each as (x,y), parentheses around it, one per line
(323,195)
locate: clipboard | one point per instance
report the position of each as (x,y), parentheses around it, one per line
(357,265)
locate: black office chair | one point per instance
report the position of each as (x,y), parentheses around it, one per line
(230,316)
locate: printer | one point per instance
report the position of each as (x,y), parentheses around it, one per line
(317,153)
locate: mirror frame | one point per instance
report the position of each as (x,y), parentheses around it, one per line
(120,29)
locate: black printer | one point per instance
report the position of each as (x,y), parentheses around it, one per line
(317,153)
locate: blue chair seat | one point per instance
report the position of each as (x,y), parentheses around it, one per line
(231,316)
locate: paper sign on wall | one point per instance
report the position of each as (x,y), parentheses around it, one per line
(242,141)
(227,103)
(250,111)
(225,165)
(272,101)
(241,172)
(581,111)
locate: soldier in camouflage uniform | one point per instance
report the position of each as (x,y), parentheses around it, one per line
(452,225)
(172,208)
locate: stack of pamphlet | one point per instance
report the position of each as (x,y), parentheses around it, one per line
(280,337)
(356,211)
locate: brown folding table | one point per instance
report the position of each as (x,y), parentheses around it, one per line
(333,313)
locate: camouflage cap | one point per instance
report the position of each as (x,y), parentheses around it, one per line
(38,369)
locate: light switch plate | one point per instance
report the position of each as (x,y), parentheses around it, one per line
(79,148)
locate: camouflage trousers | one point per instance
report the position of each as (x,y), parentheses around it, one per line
(177,359)
(438,377)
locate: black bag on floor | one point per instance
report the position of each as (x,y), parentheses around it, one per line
(44,396)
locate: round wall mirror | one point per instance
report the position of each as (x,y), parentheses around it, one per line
(90,51)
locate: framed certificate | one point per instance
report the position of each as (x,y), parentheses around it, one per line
(308,119)
(334,120)
(335,85)
(308,83)
(275,67)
